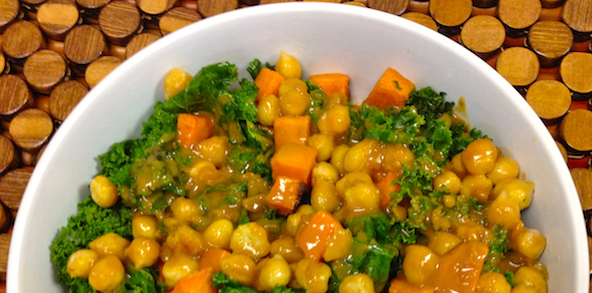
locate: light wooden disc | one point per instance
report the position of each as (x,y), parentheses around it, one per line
(30,129)
(209,8)
(550,39)
(483,34)
(84,44)
(577,14)
(550,99)
(519,14)
(177,18)
(575,129)
(275,1)
(97,70)
(155,7)
(65,97)
(396,7)
(21,39)
(451,13)
(519,66)
(14,94)
(422,19)
(576,72)
(57,17)
(44,70)
(12,186)
(139,42)
(9,157)
(9,10)
(2,63)
(583,180)
(4,245)
(92,4)
(119,20)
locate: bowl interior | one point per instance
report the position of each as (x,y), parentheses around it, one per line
(325,38)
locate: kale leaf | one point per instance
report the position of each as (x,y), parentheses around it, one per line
(227,285)
(141,281)
(255,67)
(429,103)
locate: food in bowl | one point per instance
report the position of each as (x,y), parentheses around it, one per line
(282,184)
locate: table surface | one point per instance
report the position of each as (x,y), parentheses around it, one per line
(545,30)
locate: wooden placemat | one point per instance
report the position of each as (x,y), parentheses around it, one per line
(54,51)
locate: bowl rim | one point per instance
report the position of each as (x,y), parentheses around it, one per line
(32,191)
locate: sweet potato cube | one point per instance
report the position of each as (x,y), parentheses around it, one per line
(295,161)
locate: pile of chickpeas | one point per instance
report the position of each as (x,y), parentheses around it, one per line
(265,253)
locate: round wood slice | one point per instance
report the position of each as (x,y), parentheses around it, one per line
(396,7)
(92,4)
(44,70)
(83,45)
(356,3)
(552,3)
(56,46)
(576,72)
(119,21)
(4,245)
(483,34)
(209,8)
(583,181)
(139,42)
(57,17)
(155,7)
(12,186)
(9,11)
(519,66)
(31,129)
(97,70)
(451,13)
(575,130)
(422,19)
(577,14)
(3,66)
(14,95)
(9,156)
(550,99)
(519,14)
(550,40)
(28,159)
(177,18)
(274,1)
(22,39)
(65,97)
(42,103)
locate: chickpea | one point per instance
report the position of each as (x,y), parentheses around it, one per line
(214,149)
(334,100)
(294,102)
(109,244)
(288,67)
(503,210)
(185,210)
(443,242)
(287,248)
(293,221)
(477,186)
(479,157)
(107,274)
(275,272)
(492,282)
(339,245)
(206,172)
(360,156)
(324,170)
(80,262)
(177,267)
(350,180)
(504,168)
(419,264)
(268,109)
(456,165)
(440,221)
(103,192)
(240,268)
(324,145)
(447,180)
(145,226)
(358,283)
(523,289)
(185,240)
(175,81)
(474,232)
(335,121)
(250,239)
(218,233)
(529,276)
(338,156)
(361,199)
(449,201)
(290,83)
(395,155)
(531,243)
(313,275)
(324,196)
(518,190)
(143,252)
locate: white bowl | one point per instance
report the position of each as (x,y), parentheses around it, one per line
(325,38)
